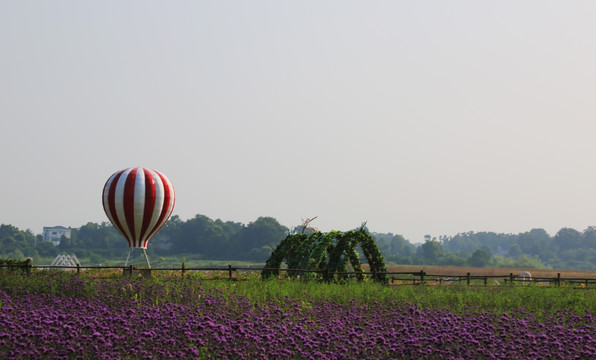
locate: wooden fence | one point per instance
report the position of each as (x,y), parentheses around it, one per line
(395,278)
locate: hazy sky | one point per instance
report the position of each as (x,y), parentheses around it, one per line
(419,117)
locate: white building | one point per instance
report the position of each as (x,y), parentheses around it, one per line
(54,234)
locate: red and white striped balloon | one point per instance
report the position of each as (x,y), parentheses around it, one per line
(138,202)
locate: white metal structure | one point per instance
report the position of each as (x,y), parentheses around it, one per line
(66,260)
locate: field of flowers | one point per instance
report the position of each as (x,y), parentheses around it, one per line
(57,315)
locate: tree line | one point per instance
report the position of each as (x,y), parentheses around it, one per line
(204,238)
(567,249)
(199,237)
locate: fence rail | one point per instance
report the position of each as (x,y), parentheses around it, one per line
(395,278)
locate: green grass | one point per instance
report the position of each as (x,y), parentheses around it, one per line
(456,298)
(170,286)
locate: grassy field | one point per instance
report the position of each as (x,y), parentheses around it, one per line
(545,300)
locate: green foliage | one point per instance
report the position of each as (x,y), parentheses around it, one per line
(286,249)
(452,260)
(520,262)
(15,243)
(260,254)
(328,253)
(265,231)
(480,258)
(19,265)
(431,251)
(566,239)
(394,245)
(568,249)
(17,262)
(218,240)
(514,251)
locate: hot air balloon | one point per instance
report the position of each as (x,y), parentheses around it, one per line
(138,202)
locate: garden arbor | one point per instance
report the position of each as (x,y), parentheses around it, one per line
(326,254)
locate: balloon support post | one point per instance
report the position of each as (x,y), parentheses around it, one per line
(146,258)
(144,252)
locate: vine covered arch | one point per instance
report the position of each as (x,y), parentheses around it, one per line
(328,253)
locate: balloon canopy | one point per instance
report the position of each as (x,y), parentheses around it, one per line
(138,202)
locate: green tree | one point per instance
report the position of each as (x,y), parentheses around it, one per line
(514,251)
(16,254)
(7,230)
(480,258)
(536,242)
(465,244)
(261,254)
(12,239)
(265,231)
(567,239)
(588,238)
(200,235)
(452,260)
(527,262)
(400,246)
(431,251)
(47,249)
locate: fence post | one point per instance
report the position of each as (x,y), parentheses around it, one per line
(468,279)
(183,266)
(558,279)
(78,268)
(485,280)
(422,273)
(131,268)
(229,272)
(511,278)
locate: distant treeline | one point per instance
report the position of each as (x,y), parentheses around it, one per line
(203,238)
(567,249)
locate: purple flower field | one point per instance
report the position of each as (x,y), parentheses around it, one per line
(204,324)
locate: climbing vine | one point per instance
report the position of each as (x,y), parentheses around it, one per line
(328,254)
